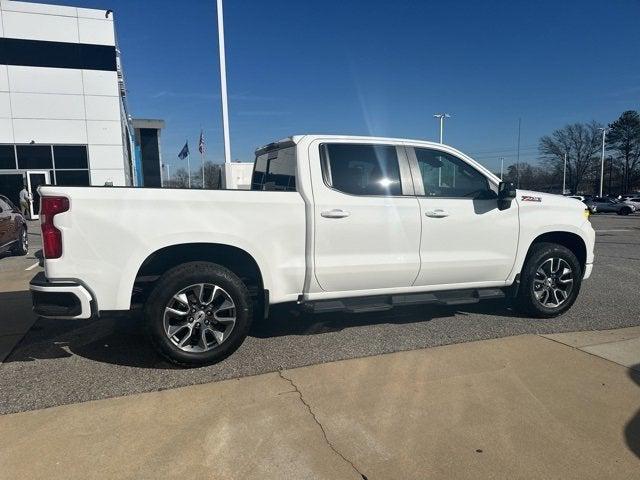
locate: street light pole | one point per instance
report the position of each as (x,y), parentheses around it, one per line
(604,134)
(441,116)
(501,167)
(223,92)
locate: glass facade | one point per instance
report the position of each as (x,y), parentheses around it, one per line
(66,164)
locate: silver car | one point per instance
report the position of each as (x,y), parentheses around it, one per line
(633,200)
(609,205)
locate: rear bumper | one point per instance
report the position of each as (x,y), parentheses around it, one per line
(61,299)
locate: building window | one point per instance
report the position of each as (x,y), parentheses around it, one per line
(72,178)
(34,157)
(7,157)
(66,164)
(70,156)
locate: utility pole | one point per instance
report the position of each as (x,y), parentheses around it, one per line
(441,116)
(564,175)
(223,92)
(501,167)
(604,134)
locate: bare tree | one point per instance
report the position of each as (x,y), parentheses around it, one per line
(581,143)
(212,175)
(180,179)
(534,177)
(624,140)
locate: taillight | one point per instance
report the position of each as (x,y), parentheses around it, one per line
(51,236)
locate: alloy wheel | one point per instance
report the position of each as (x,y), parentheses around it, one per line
(199,317)
(553,282)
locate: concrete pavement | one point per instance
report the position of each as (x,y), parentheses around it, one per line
(621,346)
(517,407)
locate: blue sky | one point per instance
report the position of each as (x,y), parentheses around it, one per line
(380,68)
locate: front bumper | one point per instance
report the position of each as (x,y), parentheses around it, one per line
(61,299)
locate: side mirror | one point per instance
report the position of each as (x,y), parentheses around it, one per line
(506,193)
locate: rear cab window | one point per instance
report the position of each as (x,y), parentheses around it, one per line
(275,168)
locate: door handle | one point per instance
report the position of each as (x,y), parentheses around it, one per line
(438,213)
(335,213)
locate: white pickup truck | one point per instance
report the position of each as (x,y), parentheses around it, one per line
(331,222)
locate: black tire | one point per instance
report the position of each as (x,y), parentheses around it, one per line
(625,211)
(21,248)
(526,301)
(180,277)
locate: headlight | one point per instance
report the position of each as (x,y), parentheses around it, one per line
(586,213)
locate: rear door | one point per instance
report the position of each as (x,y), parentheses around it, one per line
(366,219)
(466,238)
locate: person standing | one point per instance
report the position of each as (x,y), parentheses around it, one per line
(25,201)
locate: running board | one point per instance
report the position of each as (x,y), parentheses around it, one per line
(387,302)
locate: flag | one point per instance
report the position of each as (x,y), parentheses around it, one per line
(184,153)
(201,143)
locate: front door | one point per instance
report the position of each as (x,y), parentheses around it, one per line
(34,180)
(367,233)
(466,239)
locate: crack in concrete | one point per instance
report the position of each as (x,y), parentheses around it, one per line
(315,419)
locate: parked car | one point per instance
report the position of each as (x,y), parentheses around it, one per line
(589,203)
(635,201)
(13,229)
(334,223)
(610,205)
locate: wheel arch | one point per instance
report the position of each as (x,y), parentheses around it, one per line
(236,259)
(570,240)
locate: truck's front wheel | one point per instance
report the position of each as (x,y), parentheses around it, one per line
(550,281)
(198,313)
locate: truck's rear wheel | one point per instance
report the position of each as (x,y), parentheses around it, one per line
(549,282)
(198,313)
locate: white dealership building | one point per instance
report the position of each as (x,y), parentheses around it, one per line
(63,114)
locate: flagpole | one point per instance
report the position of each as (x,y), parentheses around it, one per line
(189,167)
(201,150)
(223,94)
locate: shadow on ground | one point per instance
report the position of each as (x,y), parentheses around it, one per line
(632,430)
(120,338)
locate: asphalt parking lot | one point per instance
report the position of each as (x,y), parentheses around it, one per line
(60,362)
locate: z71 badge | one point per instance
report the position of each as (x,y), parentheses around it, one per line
(528,198)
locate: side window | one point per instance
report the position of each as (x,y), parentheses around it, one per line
(444,175)
(275,170)
(361,169)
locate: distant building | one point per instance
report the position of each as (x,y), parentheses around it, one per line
(63,110)
(147,158)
